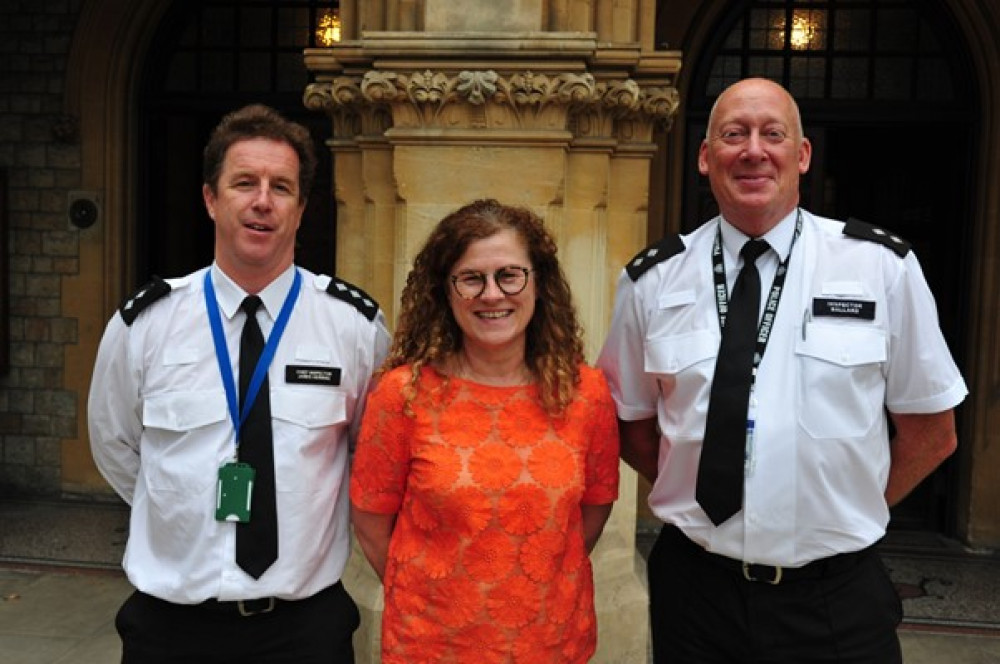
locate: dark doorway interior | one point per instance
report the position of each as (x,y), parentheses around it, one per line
(913,180)
(176,234)
(207,58)
(885,95)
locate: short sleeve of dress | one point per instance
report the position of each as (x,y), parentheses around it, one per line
(602,453)
(381,461)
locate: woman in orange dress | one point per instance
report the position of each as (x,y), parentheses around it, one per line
(487,462)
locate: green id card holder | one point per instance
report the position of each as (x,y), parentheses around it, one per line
(235,489)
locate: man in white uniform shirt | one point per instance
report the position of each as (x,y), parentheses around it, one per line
(848,332)
(163,418)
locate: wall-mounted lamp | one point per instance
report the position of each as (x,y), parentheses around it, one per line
(328,27)
(807,30)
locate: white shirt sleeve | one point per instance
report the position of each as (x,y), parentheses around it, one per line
(921,375)
(370,359)
(622,358)
(114,409)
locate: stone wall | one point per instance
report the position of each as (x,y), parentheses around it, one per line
(39,151)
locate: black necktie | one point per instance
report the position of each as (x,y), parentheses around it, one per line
(720,472)
(256,541)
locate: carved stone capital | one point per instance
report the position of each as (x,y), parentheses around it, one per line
(485,99)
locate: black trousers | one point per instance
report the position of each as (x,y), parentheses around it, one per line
(316,630)
(706,612)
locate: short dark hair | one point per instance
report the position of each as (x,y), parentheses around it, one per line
(259,121)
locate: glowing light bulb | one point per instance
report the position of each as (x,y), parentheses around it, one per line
(328,28)
(802,32)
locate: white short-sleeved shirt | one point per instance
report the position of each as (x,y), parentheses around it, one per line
(821,455)
(160,429)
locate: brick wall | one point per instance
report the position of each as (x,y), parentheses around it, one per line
(39,150)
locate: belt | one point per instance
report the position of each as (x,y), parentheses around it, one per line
(243,607)
(775,574)
(253,607)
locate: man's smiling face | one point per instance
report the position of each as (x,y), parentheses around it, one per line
(754,155)
(257,210)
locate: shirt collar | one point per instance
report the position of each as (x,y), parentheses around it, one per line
(230,296)
(779,237)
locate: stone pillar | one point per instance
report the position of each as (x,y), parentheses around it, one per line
(550,104)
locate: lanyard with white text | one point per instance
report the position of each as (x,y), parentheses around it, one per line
(222,352)
(777,286)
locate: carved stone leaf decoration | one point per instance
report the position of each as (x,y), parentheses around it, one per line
(345,90)
(427,87)
(317,97)
(380,86)
(622,95)
(525,99)
(661,103)
(477,86)
(575,89)
(529,88)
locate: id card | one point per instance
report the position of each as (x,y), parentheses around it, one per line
(750,452)
(235,489)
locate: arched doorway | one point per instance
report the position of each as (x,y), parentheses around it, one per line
(208,58)
(886,98)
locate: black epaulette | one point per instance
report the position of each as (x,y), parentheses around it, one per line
(144,297)
(669,246)
(864,231)
(354,296)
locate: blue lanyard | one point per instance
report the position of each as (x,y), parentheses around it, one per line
(222,352)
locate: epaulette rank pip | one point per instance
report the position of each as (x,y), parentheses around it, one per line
(354,296)
(864,231)
(669,246)
(142,298)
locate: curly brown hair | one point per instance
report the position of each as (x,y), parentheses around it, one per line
(427,333)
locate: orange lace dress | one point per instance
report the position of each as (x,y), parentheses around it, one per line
(487,563)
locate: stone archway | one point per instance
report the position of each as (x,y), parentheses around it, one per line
(104,61)
(979,517)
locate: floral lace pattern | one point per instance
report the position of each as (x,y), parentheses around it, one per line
(487,563)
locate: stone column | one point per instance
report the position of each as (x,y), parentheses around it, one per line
(550,104)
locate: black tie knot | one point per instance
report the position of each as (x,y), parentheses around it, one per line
(752,250)
(251,303)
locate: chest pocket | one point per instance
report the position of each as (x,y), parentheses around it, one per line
(310,425)
(683,364)
(309,408)
(178,451)
(841,390)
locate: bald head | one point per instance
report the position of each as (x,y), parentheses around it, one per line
(754,153)
(760,83)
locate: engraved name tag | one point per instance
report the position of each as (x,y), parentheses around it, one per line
(312,375)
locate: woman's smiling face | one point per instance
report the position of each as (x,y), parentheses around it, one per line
(494,322)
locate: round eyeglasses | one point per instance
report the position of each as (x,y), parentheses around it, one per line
(470,284)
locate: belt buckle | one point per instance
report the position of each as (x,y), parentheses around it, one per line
(750,577)
(244,611)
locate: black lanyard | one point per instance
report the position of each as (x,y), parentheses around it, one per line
(777,286)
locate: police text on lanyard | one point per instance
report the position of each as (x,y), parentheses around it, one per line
(766,321)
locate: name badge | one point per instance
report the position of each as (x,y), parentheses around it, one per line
(312,375)
(840,308)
